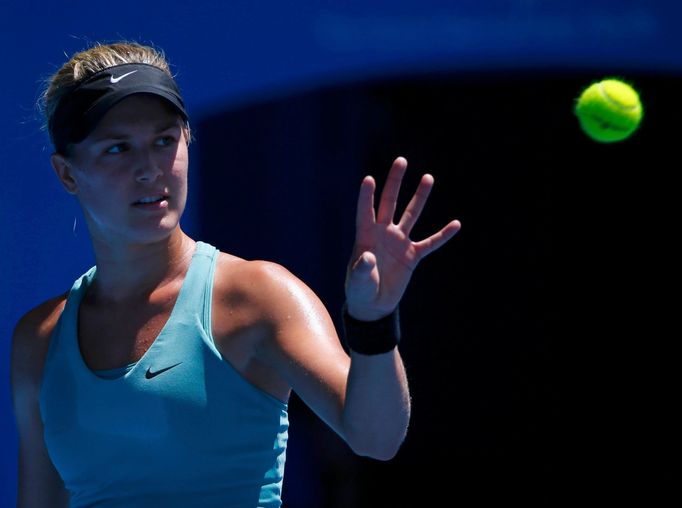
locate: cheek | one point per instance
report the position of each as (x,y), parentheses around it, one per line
(99,184)
(180,164)
(99,196)
(87,185)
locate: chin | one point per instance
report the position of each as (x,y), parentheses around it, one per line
(153,233)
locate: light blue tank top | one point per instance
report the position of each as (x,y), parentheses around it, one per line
(179,428)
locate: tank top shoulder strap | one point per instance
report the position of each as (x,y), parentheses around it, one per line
(69,316)
(63,340)
(198,285)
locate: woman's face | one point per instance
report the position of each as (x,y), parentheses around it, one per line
(130,173)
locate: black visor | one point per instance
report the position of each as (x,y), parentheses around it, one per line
(80,110)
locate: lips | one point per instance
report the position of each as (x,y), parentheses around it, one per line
(152,203)
(151,199)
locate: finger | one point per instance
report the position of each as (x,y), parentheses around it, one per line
(416,204)
(362,284)
(389,195)
(364,217)
(437,240)
(363,266)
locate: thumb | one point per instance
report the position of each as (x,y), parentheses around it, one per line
(364,265)
(363,277)
(362,284)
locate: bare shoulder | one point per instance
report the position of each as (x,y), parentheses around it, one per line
(270,325)
(283,313)
(37,324)
(264,287)
(31,339)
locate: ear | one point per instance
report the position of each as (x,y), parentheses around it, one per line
(62,167)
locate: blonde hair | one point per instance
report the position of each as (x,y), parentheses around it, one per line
(88,62)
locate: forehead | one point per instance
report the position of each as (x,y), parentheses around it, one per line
(137,111)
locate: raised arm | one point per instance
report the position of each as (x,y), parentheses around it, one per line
(364,398)
(384,258)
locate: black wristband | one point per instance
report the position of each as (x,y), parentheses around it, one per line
(371,337)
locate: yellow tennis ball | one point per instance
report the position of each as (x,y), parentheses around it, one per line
(609,110)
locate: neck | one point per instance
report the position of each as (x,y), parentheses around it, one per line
(126,272)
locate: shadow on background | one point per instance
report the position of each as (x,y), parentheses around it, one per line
(514,333)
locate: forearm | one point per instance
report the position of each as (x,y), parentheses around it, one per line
(377,404)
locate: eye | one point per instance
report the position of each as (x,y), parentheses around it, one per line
(115,149)
(165,141)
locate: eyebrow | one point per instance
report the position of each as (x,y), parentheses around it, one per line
(116,135)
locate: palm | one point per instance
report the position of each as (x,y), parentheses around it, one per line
(384,256)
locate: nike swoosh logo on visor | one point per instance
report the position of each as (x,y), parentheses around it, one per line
(149,374)
(116,80)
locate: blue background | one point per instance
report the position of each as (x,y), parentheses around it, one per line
(231,56)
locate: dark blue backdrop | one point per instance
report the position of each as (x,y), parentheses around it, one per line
(234,55)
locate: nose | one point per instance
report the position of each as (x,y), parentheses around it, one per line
(147,168)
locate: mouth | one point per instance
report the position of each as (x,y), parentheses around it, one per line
(153,201)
